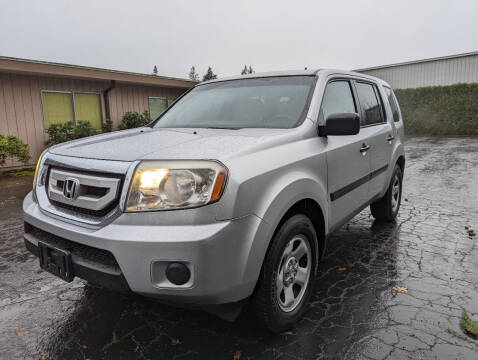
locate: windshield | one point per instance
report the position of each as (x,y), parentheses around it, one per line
(272,102)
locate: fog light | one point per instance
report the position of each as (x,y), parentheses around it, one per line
(178,273)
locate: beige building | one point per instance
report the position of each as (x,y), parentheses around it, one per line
(36,94)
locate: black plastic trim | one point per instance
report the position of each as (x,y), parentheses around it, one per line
(348,188)
(106,274)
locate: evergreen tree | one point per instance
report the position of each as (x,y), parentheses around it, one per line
(155,70)
(209,75)
(250,70)
(244,71)
(193,75)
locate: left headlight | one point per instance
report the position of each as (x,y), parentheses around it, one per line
(167,185)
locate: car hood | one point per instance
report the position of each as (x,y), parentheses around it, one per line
(166,143)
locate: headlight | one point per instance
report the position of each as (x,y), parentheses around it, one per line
(37,170)
(166,185)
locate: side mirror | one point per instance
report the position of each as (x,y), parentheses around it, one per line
(341,124)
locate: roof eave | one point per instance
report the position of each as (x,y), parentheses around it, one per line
(474,53)
(33,67)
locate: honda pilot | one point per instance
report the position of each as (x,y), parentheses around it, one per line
(228,197)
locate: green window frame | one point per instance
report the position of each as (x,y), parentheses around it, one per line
(157,105)
(63,106)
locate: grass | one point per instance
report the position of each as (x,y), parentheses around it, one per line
(20,174)
(469,325)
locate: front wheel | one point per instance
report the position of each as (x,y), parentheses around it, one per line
(288,273)
(386,209)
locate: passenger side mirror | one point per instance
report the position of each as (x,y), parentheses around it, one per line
(341,124)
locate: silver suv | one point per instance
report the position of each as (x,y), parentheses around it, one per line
(229,195)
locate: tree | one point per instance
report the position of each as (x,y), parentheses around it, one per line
(155,70)
(209,75)
(247,70)
(193,75)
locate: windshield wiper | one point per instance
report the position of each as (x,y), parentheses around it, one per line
(218,127)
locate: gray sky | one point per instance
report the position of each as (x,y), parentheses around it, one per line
(269,35)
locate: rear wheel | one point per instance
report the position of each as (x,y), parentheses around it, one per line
(386,209)
(288,273)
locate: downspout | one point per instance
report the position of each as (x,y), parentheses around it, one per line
(107,99)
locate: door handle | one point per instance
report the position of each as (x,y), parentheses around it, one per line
(390,138)
(364,148)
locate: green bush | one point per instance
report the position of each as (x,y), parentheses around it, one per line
(11,146)
(107,126)
(59,133)
(132,119)
(440,110)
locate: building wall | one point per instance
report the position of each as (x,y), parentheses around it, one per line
(21,112)
(124,98)
(446,71)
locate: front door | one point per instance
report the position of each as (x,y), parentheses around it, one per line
(348,162)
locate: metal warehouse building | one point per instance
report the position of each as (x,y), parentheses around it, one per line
(36,94)
(446,70)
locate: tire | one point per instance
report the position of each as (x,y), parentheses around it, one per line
(283,274)
(386,209)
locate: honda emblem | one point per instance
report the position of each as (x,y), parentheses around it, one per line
(70,188)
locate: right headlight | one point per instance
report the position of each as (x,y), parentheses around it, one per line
(37,174)
(167,185)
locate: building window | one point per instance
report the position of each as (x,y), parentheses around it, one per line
(157,105)
(61,107)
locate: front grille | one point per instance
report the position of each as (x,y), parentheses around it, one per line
(97,258)
(98,193)
(96,213)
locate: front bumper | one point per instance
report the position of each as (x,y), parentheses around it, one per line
(222,254)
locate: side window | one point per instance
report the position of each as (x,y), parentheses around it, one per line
(393,103)
(337,98)
(370,104)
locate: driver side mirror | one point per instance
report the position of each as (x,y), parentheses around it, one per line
(341,124)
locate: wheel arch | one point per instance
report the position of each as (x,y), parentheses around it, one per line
(401,162)
(306,196)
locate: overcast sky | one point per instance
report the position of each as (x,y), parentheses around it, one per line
(135,35)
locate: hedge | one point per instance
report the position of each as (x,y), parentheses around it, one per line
(440,110)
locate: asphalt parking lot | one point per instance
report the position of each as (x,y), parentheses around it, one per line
(384,291)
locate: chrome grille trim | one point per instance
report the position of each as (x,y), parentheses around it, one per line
(123,168)
(84,199)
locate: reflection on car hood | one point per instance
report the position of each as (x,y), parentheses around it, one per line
(167,143)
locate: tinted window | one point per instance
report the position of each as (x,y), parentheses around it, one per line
(393,103)
(272,102)
(370,104)
(337,99)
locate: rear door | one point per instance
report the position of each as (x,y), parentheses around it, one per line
(347,163)
(380,133)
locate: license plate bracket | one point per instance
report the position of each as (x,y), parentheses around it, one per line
(56,261)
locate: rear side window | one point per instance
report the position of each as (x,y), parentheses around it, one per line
(370,103)
(338,98)
(393,103)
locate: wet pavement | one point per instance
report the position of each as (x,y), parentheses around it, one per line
(384,291)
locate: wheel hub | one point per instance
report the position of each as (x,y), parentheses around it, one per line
(290,271)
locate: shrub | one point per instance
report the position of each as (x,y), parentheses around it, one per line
(107,126)
(132,120)
(59,133)
(11,146)
(83,129)
(440,110)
